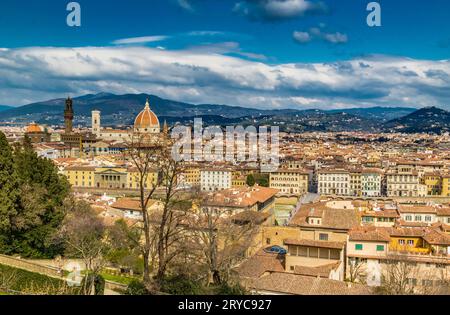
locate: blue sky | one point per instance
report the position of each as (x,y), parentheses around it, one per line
(258,53)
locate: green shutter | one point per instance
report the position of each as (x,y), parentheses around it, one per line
(380,248)
(358,247)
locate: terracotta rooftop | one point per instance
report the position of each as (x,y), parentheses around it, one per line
(288,283)
(369,234)
(240,197)
(416,209)
(130,204)
(261,262)
(319,271)
(343,219)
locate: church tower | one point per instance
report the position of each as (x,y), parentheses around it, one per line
(68,115)
(96,124)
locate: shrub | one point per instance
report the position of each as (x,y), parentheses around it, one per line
(99,285)
(136,287)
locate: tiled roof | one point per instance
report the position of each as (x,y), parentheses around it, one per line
(261,262)
(416,209)
(288,283)
(319,271)
(435,237)
(369,234)
(240,197)
(343,219)
(130,204)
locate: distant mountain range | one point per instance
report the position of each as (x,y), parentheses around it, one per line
(122,109)
(4,107)
(428,119)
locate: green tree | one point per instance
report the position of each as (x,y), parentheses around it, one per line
(40,213)
(9,195)
(251,180)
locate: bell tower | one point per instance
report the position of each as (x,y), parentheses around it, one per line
(96,125)
(68,115)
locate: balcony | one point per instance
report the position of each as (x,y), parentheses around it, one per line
(409,249)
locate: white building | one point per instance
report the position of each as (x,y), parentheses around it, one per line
(213,179)
(371,183)
(334,182)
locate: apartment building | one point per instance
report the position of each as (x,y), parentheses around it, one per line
(424,214)
(214,179)
(445,186)
(365,247)
(355,184)
(334,182)
(372,253)
(404,182)
(433,181)
(371,180)
(289,181)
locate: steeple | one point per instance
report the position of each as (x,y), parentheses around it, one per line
(147,104)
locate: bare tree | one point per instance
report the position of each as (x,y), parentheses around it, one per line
(356,270)
(398,276)
(163,228)
(85,236)
(144,154)
(222,240)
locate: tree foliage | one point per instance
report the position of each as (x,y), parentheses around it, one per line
(31,201)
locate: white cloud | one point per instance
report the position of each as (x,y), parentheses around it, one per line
(278,9)
(302,37)
(203,76)
(336,38)
(185,4)
(140,40)
(316,32)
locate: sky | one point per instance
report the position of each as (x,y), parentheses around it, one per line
(255,53)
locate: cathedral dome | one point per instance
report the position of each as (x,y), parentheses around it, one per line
(147,121)
(34,128)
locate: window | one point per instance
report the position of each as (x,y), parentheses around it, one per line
(324,253)
(408,218)
(268,241)
(335,254)
(427,283)
(401,242)
(412,281)
(313,252)
(358,246)
(380,248)
(411,242)
(323,237)
(303,251)
(418,218)
(428,218)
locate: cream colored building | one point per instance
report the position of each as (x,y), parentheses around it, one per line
(334,182)
(289,181)
(214,179)
(404,182)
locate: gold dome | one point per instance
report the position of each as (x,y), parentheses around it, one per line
(33,128)
(147,121)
